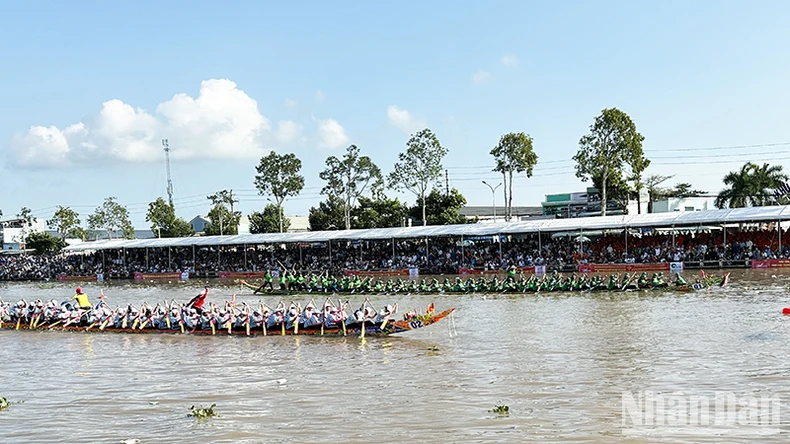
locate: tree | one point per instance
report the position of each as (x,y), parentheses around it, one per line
(45,243)
(684,189)
(613,141)
(348,179)
(752,185)
(224,220)
(654,192)
(442,209)
(65,221)
(164,222)
(618,189)
(513,153)
(271,220)
(328,215)
(111,217)
(419,167)
(279,177)
(638,165)
(379,213)
(25,214)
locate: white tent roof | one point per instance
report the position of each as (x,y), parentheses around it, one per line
(678,219)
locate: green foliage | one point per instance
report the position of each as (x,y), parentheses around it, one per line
(25,213)
(514,153)
(164,222)
(379,213)
(751,186)
(654,191)
(110,217)
(278,176)
(500,409)
(269,220)
(419,166)
(349,178)
(45,243)
(613,141)
(224,220)
(327,216)
(684,190)
(638,165)
(203,412)
(619,190)
(442,209)
(65,221)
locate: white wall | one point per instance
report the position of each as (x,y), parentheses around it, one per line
(684,204)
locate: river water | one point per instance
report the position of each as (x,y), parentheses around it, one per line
(562,364)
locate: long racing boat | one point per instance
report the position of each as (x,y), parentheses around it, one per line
(362,329)
(547,284)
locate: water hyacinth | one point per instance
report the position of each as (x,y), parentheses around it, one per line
(500,409)
(203,412)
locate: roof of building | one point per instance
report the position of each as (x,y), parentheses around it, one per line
(471,211)
(683,218)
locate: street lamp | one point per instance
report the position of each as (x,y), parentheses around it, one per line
(493,195)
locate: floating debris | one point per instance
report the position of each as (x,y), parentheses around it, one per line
(202,412)
(500,409)
(4,403)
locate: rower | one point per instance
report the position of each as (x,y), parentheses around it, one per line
(82,299)
(198,301)
(679,281)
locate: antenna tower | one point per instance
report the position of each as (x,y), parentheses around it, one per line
(167,165)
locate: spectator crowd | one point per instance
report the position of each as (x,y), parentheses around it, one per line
(431,256)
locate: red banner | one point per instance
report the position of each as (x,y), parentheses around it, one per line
(241,274)
(466,271)
(617,268)
(65,278)
(772,263)
(158,276)
(376,273)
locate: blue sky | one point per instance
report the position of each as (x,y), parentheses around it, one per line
(89,89)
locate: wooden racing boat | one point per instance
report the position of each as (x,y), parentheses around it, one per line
(356,329)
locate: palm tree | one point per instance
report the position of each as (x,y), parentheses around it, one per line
(751,186)
(768,178)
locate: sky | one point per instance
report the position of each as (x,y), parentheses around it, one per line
(90,89)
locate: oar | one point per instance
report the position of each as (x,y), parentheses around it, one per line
(342,321)
(298,317)
(263,320)
(107,321)
(168,308)
(247,309)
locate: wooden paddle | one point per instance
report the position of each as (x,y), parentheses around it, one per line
(263,320)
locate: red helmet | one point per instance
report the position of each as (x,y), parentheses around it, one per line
(79,290)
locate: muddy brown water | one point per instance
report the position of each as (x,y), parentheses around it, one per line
(561,362)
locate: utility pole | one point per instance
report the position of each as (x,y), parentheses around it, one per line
(446,183)
(167,165)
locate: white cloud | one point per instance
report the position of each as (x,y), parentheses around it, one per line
(320,96)
(403,120)
(290,104)
(221,122)
(509,60)
(287,131)
(480,77)
(331,134)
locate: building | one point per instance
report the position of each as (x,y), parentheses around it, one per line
(671,204)
(199,223)
(13,232)
(486,213)
(588,203)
